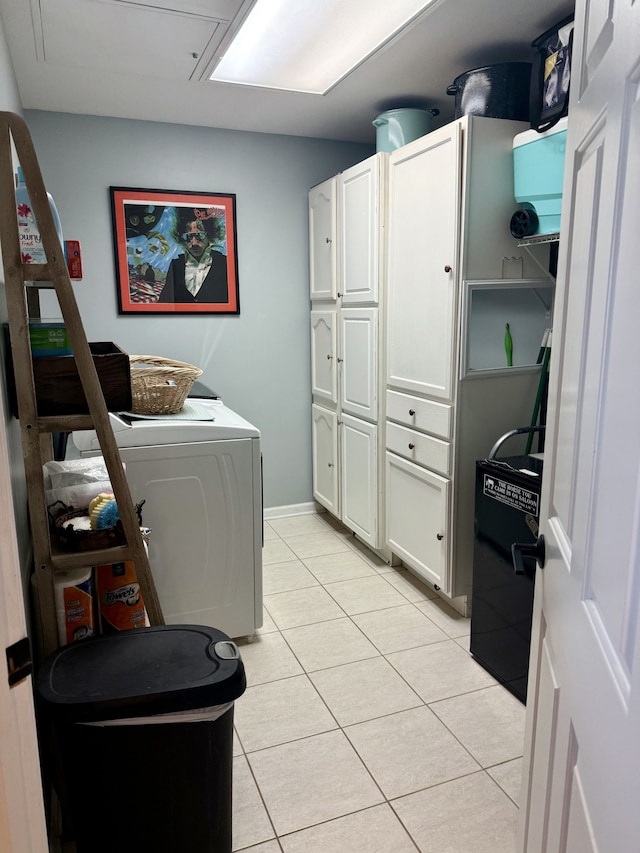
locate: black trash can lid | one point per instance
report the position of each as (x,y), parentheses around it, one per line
(141,672)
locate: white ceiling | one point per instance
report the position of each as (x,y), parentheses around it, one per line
(150,60)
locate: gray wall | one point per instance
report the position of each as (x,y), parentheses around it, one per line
(257,361)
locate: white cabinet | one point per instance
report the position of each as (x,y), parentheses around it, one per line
(324,358)
(359,362)
(418,518)
(324,443)
(424,189)
(359,470)
(346,321)
(450,203)
(323,239)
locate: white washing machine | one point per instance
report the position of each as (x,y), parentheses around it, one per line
(202,486)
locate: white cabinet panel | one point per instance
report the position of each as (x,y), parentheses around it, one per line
(417,518)
(360,478)
(359,361)
(424,223)
(419,448)
(322,240)
(324,440)
(324,355)
(418,413)
(359,250)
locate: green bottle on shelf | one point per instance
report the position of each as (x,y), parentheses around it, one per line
(508,345)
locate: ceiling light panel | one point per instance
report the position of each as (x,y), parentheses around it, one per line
(307,47)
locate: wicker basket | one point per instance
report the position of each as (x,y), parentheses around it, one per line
(159,386)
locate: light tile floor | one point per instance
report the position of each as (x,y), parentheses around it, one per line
(366,726)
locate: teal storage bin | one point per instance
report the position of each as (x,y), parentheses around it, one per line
(538,173)
(394,128)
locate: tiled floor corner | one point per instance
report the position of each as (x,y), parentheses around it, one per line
(366,726)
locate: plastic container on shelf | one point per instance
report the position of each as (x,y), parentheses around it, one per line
(31,248)
(395,128)
(48,337)
(538,174)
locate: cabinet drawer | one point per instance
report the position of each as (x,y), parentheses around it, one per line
(421,449)
(425,415)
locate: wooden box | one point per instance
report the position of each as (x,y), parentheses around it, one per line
(59,390)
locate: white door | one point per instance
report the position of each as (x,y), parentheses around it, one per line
(359,366)
(323,355)
(583,712)
(424,216)
(322,240)
(22,821)
(359,196)
(324,449)
(417,519)
(359,486)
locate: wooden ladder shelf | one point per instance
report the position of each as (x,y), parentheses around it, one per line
(22,281)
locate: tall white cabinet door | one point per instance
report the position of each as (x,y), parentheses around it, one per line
(417,507)
(323,239)
(324,446)
(359,199)
(424,217)
(359,362)
(360,478)
(323,355)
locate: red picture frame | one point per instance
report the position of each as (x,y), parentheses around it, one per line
(175,252)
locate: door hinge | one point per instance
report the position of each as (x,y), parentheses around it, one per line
(19,663)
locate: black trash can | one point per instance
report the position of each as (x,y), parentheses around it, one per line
(141,723)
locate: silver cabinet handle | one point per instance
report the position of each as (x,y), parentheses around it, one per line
(340,360)
(329,356)
(411,446)
(447,268)
(328,239)
(412,412)
(439,536)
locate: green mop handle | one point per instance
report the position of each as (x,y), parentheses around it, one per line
(543,356)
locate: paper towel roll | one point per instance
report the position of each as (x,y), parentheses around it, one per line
(73,591)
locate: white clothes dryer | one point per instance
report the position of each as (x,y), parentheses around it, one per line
(201,481)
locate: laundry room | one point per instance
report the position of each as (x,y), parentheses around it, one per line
(351,448)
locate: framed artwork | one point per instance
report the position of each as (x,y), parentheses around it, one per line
(175,252)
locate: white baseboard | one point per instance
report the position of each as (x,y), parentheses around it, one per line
(309,508)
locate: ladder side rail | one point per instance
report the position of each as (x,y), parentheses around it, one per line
(56,271)
(84,363)
(25,393)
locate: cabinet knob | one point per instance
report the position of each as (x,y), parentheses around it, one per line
(411,446)
(327,239)
(439,536)
(447,268)
(330,464)
(340,360)
(339,295)
(412,412)
(329,356)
